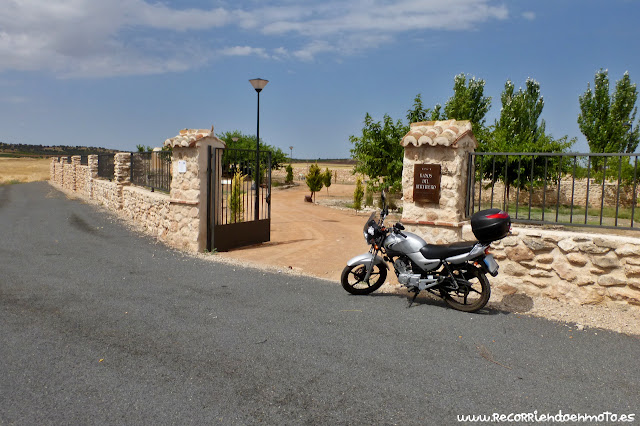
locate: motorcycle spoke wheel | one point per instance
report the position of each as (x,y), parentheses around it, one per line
(352,279)
(473,294)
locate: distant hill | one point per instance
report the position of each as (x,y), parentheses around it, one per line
(24,150)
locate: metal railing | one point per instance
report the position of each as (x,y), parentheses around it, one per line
(587,190)
(151,170)
(236,189)
(106,166)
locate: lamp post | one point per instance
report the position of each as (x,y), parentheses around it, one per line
(291,157)
(258,84)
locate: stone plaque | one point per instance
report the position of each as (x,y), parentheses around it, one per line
(426,183)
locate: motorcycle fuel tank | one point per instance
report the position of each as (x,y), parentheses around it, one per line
(395,243)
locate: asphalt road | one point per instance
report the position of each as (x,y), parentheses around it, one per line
(103,326)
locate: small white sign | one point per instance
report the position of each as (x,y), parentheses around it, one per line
(182,166)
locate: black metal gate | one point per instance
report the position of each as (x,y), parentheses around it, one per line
(239,198)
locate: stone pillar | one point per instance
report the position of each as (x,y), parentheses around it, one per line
(188,196)
(121,174)
(75,162)
(92,162)
(434,178)
(63,161)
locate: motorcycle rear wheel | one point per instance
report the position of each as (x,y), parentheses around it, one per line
(470,297)
(352,279)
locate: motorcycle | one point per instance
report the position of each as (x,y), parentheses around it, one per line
(456,272)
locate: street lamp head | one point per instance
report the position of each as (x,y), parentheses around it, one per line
(258,84)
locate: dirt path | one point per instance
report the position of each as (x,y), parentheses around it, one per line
(309,237)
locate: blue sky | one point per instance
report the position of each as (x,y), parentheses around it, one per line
(119,73)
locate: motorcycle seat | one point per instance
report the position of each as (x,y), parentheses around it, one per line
(443,251)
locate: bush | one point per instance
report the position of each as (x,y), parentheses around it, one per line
(357,195)
(236,207)
(289,179)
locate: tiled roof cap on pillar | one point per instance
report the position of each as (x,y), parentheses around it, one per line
(188,138)
(456,134)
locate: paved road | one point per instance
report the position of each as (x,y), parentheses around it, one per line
(101,326)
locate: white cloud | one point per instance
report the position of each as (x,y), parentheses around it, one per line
(529,16)
(94,38)
(244,51)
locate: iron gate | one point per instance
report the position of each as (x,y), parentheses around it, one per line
(239,198)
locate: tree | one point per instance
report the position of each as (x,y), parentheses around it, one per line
(289,178)
(278,157)
(606,120)
(468,101)
(418,112)
(314,180)
(326,179)
(235,200)
(357,195)
(520,129)
(378,152)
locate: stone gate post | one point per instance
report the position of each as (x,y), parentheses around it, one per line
(188,196)
(434,178)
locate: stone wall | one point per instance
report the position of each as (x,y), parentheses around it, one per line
(341,175)
(568,266)
(173,218)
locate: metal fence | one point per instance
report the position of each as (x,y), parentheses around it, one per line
(151,170)
(236,189)
(106,166)
(588,190)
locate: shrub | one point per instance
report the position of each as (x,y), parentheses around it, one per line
(357,195)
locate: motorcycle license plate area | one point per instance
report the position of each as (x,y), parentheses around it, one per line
(491,264)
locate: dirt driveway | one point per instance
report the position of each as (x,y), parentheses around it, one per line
(309,237)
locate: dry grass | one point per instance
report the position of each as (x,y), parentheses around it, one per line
(19,170)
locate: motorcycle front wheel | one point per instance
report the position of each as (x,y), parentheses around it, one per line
(352,279)
(473,293)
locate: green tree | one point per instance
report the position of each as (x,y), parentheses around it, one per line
(278,157)
(235,199)
(520,129)
(289,178)
(378,152)
(314,180)
(468,101)
(607,121)
(326,179)
(418,112)
(358,194)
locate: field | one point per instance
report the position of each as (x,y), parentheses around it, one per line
(18,170)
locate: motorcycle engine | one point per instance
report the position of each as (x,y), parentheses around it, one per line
(405,273)
(406,276)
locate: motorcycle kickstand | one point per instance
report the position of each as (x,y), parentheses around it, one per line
(415,296)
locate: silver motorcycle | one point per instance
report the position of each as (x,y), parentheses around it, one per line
(456,272)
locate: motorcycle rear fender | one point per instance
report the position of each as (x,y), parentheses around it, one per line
(366,260)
